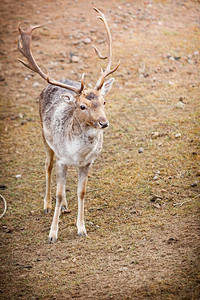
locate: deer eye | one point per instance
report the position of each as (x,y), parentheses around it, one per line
(82,107)
(104,103)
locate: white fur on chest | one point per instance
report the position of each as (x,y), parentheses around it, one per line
(78,151)
(82,151)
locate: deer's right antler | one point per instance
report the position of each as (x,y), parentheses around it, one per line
(24,46)
(107,71)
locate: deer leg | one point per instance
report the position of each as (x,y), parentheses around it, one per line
(64,207)
(82,181)
(49,166)
(61,172)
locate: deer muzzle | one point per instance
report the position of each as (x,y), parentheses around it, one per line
(104,124)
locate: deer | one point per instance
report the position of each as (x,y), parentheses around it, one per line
(73,119)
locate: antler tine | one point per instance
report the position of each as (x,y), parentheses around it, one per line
(24,43)
(98,53)
(24,46)
(109,39)
(82,82)
(107,71)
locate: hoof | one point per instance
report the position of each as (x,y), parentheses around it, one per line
(52,240)
(65,210)
(47,210)
(82,234)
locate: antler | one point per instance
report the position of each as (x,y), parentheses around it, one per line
(24,46)
(107,71)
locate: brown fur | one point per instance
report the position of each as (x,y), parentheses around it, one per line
(72,119)
(76,137)
(91,96)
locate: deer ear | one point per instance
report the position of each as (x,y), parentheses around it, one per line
(107,86)
(68,97)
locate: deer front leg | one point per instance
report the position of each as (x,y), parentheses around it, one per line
(82,181)
(49,166)
(61,172)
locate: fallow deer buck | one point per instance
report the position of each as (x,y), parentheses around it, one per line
(73,120)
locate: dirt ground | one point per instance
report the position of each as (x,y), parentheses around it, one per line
(142,201)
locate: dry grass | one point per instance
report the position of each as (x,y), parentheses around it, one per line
(136,249)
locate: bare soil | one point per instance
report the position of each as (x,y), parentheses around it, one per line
(142,202)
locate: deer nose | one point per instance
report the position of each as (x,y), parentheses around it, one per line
(104,124)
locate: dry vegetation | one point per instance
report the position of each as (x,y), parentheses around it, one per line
(141,208)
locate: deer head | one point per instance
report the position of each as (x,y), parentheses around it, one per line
(89,103)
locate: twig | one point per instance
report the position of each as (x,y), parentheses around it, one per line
(5,206)
(180,204)
(89,191)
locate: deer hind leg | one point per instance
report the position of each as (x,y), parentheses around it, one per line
(61,172)
(82,181)
(49,166)
(64,207)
